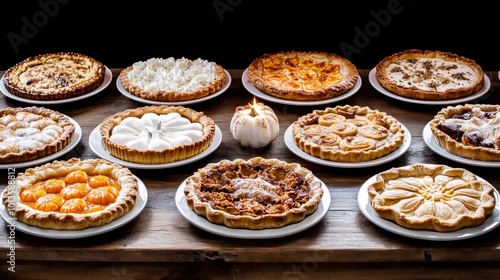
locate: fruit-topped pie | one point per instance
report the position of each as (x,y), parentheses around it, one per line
(471,131)
(71,195)
(29,133)
(348,134)
(157,134)
(308,76)
(432,197)
(253,194)
(171,79)
(54,76)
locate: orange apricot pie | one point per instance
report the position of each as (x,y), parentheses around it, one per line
(72,195)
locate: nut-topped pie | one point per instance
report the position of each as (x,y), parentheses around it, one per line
(432,197)
(253,194)
(72,195)
(307,76)
(348,134)
(54,76)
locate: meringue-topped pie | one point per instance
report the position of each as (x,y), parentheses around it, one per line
(157,134)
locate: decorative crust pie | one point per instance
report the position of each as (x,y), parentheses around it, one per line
(432,197)
(253,194)
(54,76)
(470,131)
(173,79)
(71,195)
(157,134)
(347,134)
(429,75)
(32,132)
(296,75)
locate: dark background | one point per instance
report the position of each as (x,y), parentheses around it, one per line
(234,32)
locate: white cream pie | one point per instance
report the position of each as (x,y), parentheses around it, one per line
(170,79)
(157,134)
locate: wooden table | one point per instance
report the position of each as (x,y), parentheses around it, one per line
(161,244)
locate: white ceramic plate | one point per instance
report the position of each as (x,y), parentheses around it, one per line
(76,139)
(374,82)
(204,224)
(95,143)
(73,234)
(366,208)
(392,156)
(431,142)
(257,93)
(127,94)
(108,75)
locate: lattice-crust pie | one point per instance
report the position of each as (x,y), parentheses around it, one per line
(71,195)
(54,76)
(253,194)
(470,131)
(171,79)
(348,133)
(29,133)
(297,75)
(429,75)
(432,197)
(157,134)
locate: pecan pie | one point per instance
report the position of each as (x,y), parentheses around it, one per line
(470,131)
(429,75)
(54,76)
(348,134)
(432,197)
(71,195)
(253,194)
(296,75)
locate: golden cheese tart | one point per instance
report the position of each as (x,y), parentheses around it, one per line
(157,134)
(297,75)
(429,75)
(54,76)
(348,133)
(257,193)
(470,131)
(71,195)
(171,79)
(29,133)
(432,197)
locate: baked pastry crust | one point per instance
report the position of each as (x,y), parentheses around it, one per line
(29,133)
(432,197)
(152,127)
(470,131)
(54,76)
(307,76)
(257,193)
(37,201)
(176,79)
(347,134)
(429,75)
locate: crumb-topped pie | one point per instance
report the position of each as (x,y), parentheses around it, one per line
(29,133)
(348,133)
(257,193)
(298,75)
(432,197)
(71,195)
(470,131)
(54,76)
(157,134)
(429,75)
(171,79)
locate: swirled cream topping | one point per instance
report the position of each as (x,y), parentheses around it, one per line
(172,75)
(156,132)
